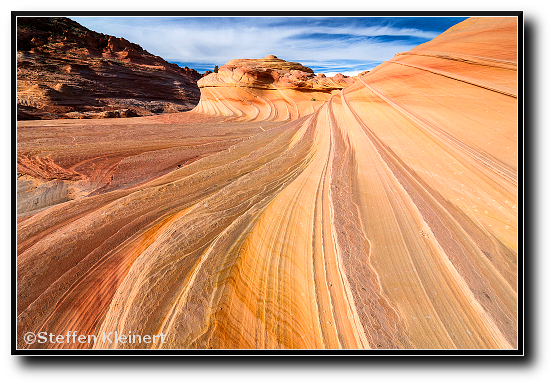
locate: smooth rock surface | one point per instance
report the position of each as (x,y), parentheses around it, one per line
(381,216)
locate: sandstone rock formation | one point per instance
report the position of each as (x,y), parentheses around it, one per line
(266,89)
(384,219)
(67,71)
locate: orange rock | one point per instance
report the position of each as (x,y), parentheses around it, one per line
(380,214)
(265,89)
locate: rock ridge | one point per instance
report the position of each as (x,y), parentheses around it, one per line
(65,70)
(272,73)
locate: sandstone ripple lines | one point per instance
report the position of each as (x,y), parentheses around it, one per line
(286,210)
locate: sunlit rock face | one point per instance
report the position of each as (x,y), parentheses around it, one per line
(266,89)
(382,215)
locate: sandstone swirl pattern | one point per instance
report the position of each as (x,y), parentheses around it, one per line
(378,212)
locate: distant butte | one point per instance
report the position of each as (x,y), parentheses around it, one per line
(268,88)
(288,210)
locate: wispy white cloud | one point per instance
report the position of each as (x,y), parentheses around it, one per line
(218,40)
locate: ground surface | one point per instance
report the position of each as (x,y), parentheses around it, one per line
(378,215)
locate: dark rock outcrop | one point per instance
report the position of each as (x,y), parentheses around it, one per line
(65,70)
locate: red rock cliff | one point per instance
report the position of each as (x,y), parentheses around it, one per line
(67,71)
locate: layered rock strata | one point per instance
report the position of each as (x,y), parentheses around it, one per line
(384,219)
(266,89)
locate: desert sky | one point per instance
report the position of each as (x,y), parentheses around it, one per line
(329,45)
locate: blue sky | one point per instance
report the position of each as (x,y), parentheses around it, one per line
(326,44)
